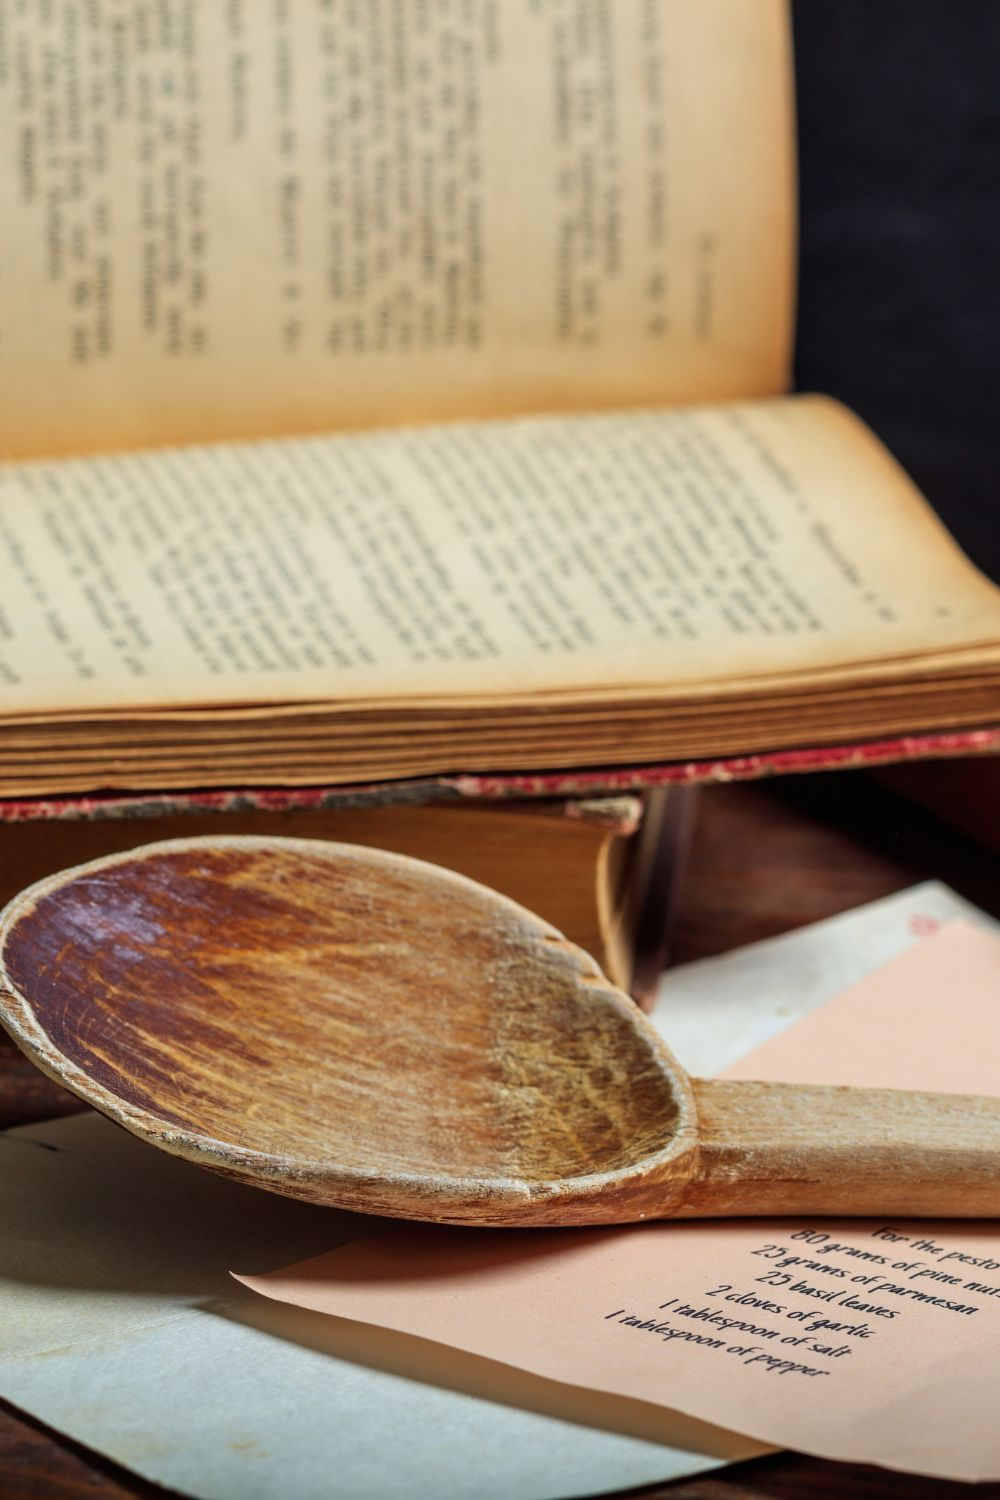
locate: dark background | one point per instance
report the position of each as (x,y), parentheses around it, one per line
(899,291)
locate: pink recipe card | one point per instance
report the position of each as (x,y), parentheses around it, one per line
(857,1340)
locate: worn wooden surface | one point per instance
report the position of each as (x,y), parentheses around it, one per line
(357,1029)
(766,859)
(778,1148)
(349,1027)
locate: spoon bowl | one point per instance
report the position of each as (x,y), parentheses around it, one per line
(356,1028)
(343,1025)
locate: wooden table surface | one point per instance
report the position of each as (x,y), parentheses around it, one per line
(766,858)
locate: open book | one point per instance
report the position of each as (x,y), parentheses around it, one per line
(394,389)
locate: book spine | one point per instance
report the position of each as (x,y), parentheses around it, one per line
(553,784)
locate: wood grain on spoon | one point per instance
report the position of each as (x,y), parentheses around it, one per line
(360,1029)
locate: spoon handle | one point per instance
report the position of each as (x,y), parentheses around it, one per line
(779,1148)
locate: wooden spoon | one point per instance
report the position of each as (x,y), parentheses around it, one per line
(355,1028)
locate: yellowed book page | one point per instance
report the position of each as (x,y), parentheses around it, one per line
(647,551)
(239,220)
